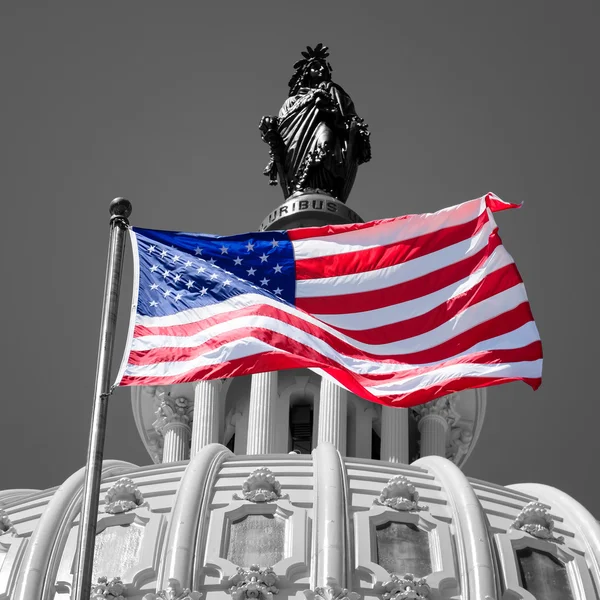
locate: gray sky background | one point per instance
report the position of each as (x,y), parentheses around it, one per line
(160,102)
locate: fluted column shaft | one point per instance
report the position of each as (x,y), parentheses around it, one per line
(205,426)
(433,428)
(394,434)
(177,442)
(262,412)
(332,415)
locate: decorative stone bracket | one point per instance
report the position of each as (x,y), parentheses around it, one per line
(111,590)
(331,592)
(406,587)
(261,486)
(400,494)
(174,591)
(254,583)
(535,520)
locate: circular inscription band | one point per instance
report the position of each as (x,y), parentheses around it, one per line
(309,210)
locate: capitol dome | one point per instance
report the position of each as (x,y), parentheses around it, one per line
(286,525)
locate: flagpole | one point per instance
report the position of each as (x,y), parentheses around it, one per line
(120,209)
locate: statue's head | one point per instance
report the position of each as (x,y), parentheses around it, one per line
(311,70)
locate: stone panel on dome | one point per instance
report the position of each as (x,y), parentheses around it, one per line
(403,548)
(256,540)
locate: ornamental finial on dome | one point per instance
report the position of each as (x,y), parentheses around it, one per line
(123,496)
(6,525)
(406,587)
(536,520)
(261,486)
(400,494)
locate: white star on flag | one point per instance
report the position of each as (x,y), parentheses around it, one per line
(277,268)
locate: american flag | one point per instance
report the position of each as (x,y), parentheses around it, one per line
(399,311)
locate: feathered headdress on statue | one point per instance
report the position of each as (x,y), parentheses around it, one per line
(318,53)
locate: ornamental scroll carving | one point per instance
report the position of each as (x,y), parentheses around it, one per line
(535,520)
(6,525)
(174,591)
(331,592)
(261,486)
(254,583)
(400,494)
(123,496)
(113,589)
(406,587)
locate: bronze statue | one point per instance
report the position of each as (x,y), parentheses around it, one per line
(317,141)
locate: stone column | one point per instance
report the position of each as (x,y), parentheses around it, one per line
(434,420)
(205,427)
(332,415)
(394,434)
(262,412)
(173,418)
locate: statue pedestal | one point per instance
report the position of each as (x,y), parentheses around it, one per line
(309,209)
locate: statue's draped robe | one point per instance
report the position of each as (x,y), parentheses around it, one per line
(316,141)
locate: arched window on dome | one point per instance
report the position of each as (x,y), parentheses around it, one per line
(543,575)
(403,548)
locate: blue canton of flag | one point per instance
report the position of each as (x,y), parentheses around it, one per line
(179,271)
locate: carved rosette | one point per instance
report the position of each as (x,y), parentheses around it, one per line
(254,583)
(535,520)
(261,486)
(113,589)
(405,587)
(400,494)
(123,496)
(331,592)
(174,591)
(172,411)
(6,525)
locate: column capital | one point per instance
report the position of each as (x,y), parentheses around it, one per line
(172,413)
(440,410)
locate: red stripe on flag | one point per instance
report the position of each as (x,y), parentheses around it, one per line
(496,282)
(504,323)
(400,292)
(380,257)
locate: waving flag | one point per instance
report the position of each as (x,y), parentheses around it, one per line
(399,311)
